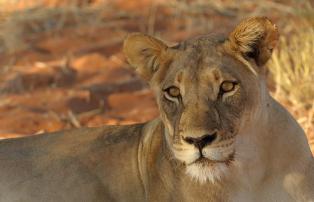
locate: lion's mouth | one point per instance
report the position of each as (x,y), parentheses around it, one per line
(206,161)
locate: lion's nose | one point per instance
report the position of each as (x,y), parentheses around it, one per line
(201,142)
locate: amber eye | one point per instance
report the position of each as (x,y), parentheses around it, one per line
(227,86)
(172,92)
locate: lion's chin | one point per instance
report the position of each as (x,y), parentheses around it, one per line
(204,170)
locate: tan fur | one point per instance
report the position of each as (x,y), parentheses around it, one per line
(255,150)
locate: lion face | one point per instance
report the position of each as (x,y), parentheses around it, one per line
(205,87)
(202,96)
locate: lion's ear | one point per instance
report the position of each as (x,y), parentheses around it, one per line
(254,38)
(144,53)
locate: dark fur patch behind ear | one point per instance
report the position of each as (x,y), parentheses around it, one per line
(254,53)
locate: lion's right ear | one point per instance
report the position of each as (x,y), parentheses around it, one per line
(144,53)
(253,38)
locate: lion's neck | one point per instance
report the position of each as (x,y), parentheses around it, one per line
(271,147)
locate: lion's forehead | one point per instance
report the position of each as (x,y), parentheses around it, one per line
(200,67)
(200,53)
(202,41)
(204,64)
(199,73)
(198,56)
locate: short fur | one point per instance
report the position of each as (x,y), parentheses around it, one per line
(258,152)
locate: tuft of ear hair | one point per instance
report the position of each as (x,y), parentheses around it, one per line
(254,38)
(144,53)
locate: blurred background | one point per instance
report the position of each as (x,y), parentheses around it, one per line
(61,64)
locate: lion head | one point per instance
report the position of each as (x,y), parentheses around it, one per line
(208,89)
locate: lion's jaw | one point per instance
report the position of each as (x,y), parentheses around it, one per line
(211,164)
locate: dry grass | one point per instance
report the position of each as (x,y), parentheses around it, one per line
(292,67)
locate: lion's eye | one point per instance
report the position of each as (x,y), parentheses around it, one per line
(172,92)
(227,86)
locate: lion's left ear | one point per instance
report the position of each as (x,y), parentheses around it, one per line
(253,38)
(144,53)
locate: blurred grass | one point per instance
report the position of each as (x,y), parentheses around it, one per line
(292,67)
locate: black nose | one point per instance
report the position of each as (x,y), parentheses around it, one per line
(202,141)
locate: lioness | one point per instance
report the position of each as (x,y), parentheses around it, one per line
(220,136)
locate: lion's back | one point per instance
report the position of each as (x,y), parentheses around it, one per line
(62,166)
